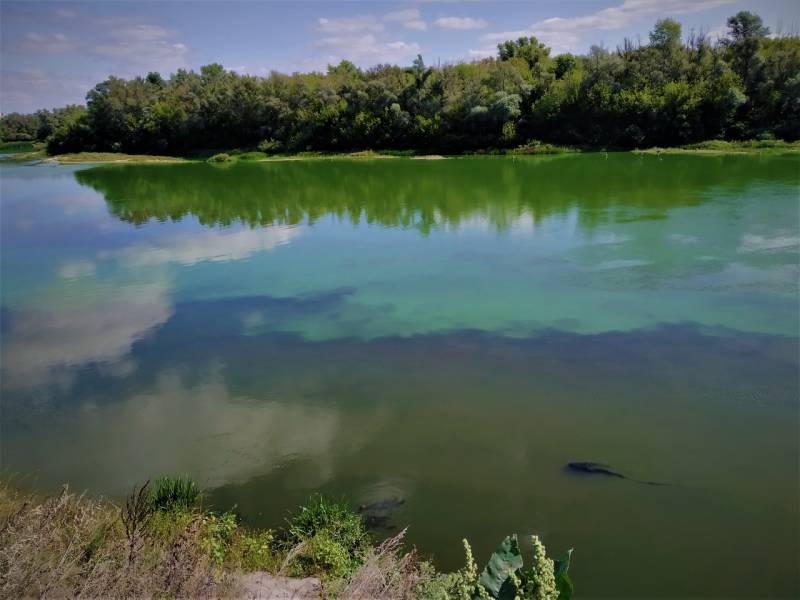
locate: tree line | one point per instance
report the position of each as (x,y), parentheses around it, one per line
(669,91)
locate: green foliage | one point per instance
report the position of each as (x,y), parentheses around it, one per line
(16,147)
(174,493)
(331,538)
(222,157)
(505,560)
(253,550)
(218,533)
(664,93)
(561,572)
(270,146)
(504,577)
(434,585)
(251,156)
(16,127)
(666,35)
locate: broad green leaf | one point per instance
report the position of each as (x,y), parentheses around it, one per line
(563,582)
(507,558)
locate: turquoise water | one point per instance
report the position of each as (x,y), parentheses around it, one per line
(450,332)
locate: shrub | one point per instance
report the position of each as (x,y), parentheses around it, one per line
(253,155)
(270,146)
(253,550)
(174,493)
(504,576)
(327,537)
(222,157)
(218,532)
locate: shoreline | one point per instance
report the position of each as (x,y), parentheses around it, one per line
(709,148)
(164,541)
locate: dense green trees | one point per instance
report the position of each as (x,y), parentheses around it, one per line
(41,125)
(664,93)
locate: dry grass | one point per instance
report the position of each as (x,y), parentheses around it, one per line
(74,546)
(387,574)
(70,546)
(112,157)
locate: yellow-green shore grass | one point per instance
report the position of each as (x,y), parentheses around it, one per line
(712,147)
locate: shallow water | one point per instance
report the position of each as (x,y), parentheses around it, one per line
(448,332)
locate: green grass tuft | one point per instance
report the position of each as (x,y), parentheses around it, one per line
(332,538)
(174,493)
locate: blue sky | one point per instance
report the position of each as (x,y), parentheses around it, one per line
(53,52)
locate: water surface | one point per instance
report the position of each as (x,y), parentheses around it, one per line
(449,332)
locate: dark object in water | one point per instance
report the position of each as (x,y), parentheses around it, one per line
(592,468)
(381,505)
(376,514)
(377,522)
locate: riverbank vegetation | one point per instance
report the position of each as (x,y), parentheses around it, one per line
(734,147)
(165,542)
(669,92)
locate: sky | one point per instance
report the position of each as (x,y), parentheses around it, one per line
(54,52)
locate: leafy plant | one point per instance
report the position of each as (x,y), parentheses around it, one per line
(218,533)
(270,146)
(253,550)
(506,559)
(504,578)
(222,157)
(328,537)
(174,493)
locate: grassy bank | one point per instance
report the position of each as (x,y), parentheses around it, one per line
(35,152)
(723,147)
(164,542)
(17,147)
(27,152)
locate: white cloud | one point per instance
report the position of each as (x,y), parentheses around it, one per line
(48,43)
(40,344)
(142,33)
(416,25)
(402,15)
(460,23)
(759,243)
(143,46)
(355,39)
(77,269)
(409,18)
(484,52)
(358,24)
(366,49)
(718,32)
(208,246)
(567,33)
(201,428)
(29,89)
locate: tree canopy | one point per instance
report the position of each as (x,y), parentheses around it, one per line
(667,92)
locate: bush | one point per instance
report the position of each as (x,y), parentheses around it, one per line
(504,576)
(253,551)
(222,157)
(270,146)
(538,147)
(252,155)
(328,538)
(174,493)
(218,532)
